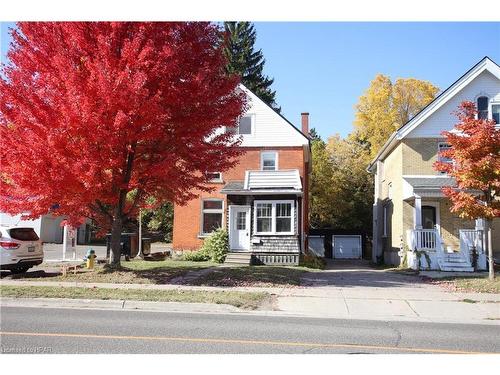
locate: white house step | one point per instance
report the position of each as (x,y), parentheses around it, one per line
(455,268)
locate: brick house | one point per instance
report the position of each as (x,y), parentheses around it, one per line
(410,211)
(263,200)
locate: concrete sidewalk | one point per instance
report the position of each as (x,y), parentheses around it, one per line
(423,303)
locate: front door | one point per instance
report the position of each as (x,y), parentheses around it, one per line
(429,217)
(240,228)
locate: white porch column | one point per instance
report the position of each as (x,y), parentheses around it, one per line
(418,212)
(479,224)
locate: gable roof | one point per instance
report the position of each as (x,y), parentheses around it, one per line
(485,64)
(254,96)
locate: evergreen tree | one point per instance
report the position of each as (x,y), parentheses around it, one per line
(244,61)
(313,135)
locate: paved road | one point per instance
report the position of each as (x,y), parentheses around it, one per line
(108,331)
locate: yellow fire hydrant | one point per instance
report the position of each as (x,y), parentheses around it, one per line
(90,258)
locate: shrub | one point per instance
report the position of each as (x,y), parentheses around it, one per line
(216,246)
(312,261)
(196,256)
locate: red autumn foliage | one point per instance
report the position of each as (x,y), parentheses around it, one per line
(98,117)
(475,151)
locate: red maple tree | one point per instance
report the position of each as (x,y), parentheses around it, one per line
(96,118)
(475,166)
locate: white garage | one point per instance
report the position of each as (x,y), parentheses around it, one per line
(346,247)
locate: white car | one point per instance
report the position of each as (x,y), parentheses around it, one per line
(20,249)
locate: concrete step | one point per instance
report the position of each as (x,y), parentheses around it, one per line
(238,258)
(456,269)
(459,265)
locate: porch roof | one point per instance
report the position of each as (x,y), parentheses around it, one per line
(266,182)
(425,186)
(436,182)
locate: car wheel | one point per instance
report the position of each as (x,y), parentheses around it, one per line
(21,269)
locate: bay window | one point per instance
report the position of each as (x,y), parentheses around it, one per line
(274,217)
(211,215)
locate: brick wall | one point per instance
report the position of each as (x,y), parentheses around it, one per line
(187,220)
(419,154)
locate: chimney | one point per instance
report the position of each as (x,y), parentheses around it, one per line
(305,123)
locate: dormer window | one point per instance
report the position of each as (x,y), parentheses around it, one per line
(482,108)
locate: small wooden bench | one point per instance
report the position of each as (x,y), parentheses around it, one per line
(69,267)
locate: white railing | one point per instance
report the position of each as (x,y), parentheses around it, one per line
(470,239)
(426,239)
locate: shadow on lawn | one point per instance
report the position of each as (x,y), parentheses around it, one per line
(160,274)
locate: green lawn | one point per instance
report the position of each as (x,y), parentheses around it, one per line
(239,299)
(133,272)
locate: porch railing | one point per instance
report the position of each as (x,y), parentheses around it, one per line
(424,239)
(470,239)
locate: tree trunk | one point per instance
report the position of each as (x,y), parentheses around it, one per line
(491,265)
(116,248)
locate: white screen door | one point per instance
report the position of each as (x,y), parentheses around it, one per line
(240,228)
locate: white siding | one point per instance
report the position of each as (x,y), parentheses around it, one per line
(486,84)
(270,128)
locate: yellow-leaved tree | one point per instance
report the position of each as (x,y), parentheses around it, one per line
(385,106)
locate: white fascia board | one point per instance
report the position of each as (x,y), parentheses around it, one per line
(484,64)
(450,92)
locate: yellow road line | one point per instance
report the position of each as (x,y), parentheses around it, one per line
(245,342)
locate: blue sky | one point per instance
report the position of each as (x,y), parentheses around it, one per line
(323,68)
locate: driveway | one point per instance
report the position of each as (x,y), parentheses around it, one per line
(355,290)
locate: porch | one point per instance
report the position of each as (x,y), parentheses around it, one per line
(265,218)
(436,239)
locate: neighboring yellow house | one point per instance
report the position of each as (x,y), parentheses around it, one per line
(410,212)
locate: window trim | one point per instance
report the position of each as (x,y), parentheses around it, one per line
(273,217)
(269,152)
(488,106)
(216,180)
(252,126)
(439,157)
(493,104)
(210,211)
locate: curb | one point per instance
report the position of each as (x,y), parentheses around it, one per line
(205,308)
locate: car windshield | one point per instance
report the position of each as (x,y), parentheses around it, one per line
(23,234)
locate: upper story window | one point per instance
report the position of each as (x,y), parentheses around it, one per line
(214,176)
(269,161)
(245,126)
(442,146)
(495,113)
(212,212)
(482,108)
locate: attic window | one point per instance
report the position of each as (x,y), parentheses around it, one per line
(482,108)
(244,126)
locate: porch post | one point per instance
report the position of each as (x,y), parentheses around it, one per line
(418,212)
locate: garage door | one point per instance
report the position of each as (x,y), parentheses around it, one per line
(346,247)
